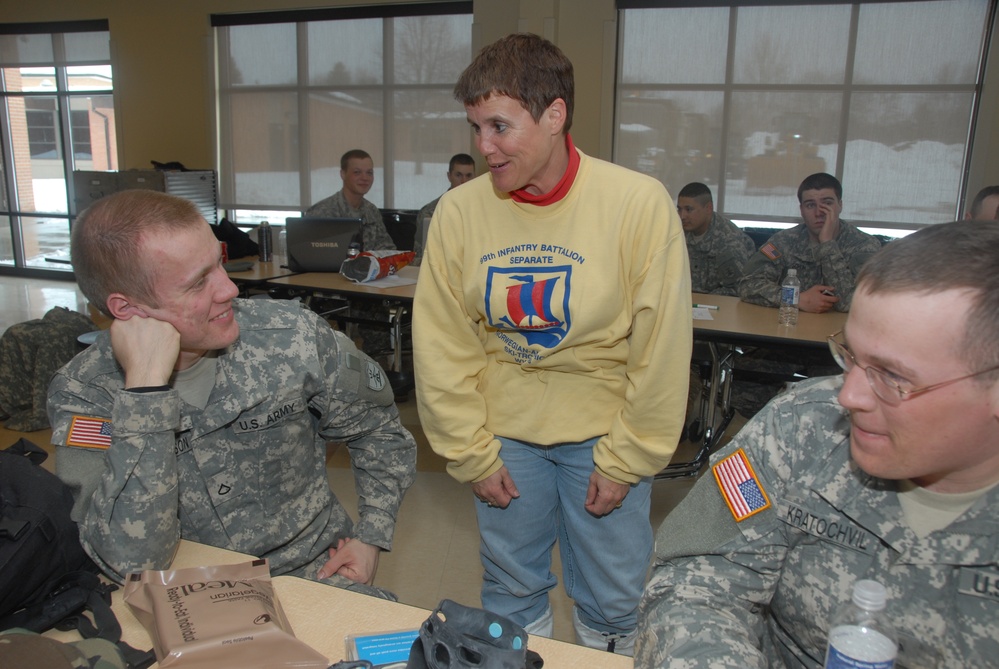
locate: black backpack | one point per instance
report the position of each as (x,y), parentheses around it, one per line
(39,542)
(46,578)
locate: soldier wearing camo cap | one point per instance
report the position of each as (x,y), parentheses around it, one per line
(204,417)
(826,251)
(717,248)
(888,473)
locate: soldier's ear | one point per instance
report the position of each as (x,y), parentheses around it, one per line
(123,307)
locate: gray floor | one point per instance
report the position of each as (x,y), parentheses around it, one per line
(436,548)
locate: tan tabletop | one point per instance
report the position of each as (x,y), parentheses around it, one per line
(333,282)
(322,616)
(738,322)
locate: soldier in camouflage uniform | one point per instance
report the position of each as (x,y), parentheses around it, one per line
(826,251)
(460,168)
(203,417)
(718,249)
(886,473)
(358,172)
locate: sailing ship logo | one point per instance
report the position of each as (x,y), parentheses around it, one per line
(533,302)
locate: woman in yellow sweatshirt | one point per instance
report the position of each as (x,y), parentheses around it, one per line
(552,335)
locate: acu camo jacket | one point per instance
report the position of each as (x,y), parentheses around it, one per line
(833,263)
(373,231)
(760,592)
(247,473)
(717,257)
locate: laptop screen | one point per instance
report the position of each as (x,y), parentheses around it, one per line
(320,244)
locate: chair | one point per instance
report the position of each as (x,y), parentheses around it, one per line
(401,226)
(714,363)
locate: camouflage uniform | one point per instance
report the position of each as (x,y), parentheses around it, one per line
(717,256)
(833,263)
(247,473)
(376,237)
(422,227)
(760,593)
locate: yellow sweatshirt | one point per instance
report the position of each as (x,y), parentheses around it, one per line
(555,324)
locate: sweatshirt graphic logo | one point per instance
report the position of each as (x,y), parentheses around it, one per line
(532,301)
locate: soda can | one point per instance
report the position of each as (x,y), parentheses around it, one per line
(225,252)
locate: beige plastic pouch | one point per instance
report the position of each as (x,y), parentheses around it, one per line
(218,616)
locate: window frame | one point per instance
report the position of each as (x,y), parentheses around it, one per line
(847,89)
(61,62)
(386,89)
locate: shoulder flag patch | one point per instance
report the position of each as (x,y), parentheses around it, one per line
(739,486)
(89,432)
(770,251)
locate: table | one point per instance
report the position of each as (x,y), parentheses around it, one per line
(400,298)
(322,616)
(337,284)
(736,323)
(260,273)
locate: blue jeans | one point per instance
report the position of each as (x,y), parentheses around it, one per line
(604,560)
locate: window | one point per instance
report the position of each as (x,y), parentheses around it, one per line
(57,116)
(752,99)
(299,89)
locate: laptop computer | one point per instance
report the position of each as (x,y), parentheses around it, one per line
(320,244)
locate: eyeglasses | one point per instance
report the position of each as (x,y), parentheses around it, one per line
(885,387)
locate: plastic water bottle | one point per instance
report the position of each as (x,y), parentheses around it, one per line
(789,292)
(265,241)
(860,635)
(282,243)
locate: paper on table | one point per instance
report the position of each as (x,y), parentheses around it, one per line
(404,277)
(390,281)
(702,314)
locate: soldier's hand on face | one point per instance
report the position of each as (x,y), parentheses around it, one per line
(604,495)
(815,301)
(830,228)
(352,559)
(146,349)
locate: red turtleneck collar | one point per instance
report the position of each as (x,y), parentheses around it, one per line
(561,188)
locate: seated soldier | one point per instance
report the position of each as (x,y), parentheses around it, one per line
(718,249)
(985,206)
(826,251)
(205,417)
(887,472)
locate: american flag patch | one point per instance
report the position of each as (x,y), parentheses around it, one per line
(89,432)
(770,251)
(739,486)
